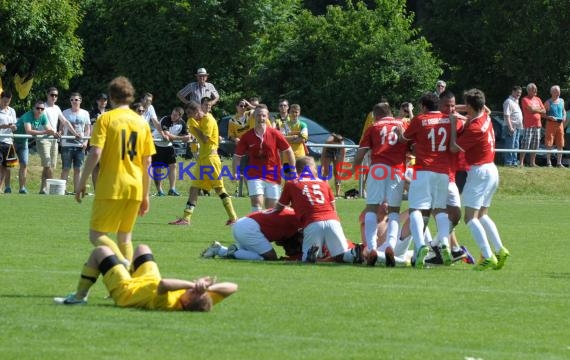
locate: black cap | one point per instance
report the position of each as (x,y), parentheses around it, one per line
(102,96)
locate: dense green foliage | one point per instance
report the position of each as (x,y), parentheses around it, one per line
(337,66)
(38,41)
(495,44)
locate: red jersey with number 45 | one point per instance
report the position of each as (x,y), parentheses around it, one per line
(478,140)
(311,199)
(431,133)
(382,140)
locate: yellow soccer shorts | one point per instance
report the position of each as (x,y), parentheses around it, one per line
(134,290)
(114,215)
(207,173)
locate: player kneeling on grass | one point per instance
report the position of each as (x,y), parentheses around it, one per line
(145,288)
(255,233)
(314,203)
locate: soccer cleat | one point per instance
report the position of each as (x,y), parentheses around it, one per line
(173,192)
(445,255)
(502,256)
(357,253)
(371,258)
(390,259)
(23,191)
(485,264)
(42,192)
(212,250)
(312,254)
(434,257)
(179,221)
(458,255)
(70,300)
(7,190)
(232,251)
(230,222)
(421,257)
(469,259)
(160,193)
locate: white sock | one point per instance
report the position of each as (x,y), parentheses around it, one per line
(427,237)
(256,208)
(402,246)
(442,222)
(371,230)
(393,228)
(478,233)
(491,231)
(242,254)
(417,228)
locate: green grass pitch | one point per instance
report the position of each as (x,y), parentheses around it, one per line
(285,310)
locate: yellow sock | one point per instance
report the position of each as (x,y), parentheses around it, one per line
(104,240)
(88,278)
(188,213)
(127,250)
(228,205)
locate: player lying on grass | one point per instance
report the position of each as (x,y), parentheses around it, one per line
(145,288)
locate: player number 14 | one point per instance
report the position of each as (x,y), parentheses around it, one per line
(128,146)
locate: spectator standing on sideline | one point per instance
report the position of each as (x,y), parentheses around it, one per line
(513,124)
(237,126)
(199,89)
(204,128)
(532,110)
(440,86)
(282,116)
(36,122)
(73,151)
(122,144)
(172,128)
(332,159)
(296,132)
(149,112)
(144,287)
(7,127)
(262,145)
(555,123)
(48,148)
(100,108)
(477,140)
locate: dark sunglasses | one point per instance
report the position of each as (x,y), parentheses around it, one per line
(54,95)
(140,111)
(75,99)
(40,108)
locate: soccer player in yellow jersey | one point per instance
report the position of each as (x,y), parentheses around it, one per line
(296,132)
(122,145)
(145,288)
(207,170)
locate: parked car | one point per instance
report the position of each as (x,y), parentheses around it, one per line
(318,134)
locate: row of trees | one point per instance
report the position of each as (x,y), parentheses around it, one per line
(336,65)
(336,61)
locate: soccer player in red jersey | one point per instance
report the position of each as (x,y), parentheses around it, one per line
(314,202)
(477,141)
(254,234)
(385,180)
(430,131)
(263,145)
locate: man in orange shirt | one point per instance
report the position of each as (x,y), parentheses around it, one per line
(532,109)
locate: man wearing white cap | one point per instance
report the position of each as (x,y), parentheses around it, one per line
(199,89)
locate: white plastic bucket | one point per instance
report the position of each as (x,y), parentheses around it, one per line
(55,186)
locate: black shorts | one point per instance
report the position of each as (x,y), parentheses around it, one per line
(164,154)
